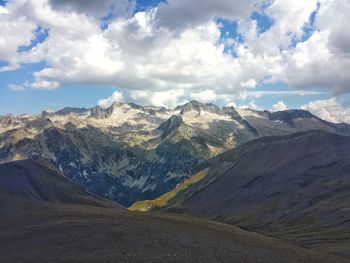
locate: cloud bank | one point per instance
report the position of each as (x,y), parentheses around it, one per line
(177,50)
(331,110)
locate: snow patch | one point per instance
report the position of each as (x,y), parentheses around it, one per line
(204,118)
(249,113)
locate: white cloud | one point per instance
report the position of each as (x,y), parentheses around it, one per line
(313,65)
(16,87)
(323,60)
(204,96)
(38,85)
(232,104)
(175,52)
(279,106)
(251,83)
(45,85)
(275,93)
(135,54)
(169,98)
(270,49)
(117,96)
(334,17)
(331,110)
(290,17)
(16,30)
(251,105)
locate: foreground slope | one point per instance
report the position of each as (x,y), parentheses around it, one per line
(38,182)
(295,187)
(45,218)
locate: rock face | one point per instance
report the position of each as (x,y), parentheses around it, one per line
(44,217)
(98,113)
(295,187)
(129,152)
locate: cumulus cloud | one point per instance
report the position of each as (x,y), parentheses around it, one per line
(16,30)
(182,14)
(251,83)
(99,8)
(117,96)
(45,85)
(270,48)
(168,98)
(289,18)
(276,93)
(38,85)
(251,105)
(331,110)
(279,106)
(322,61)
(134,55)
(204,95)
(176,52)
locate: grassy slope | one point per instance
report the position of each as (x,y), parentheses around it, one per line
(163,200)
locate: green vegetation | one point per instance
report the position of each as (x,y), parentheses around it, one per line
(147,205)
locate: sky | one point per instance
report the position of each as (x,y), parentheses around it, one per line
(261,54)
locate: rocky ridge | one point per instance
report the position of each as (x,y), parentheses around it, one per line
(129,152)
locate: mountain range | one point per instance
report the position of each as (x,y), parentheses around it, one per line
(129,152)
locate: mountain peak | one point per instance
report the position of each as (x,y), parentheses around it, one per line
(198,106)
(170,125)
(190,104)
(116,105)
(288,116)
(98,112)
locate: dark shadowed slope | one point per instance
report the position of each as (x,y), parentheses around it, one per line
(44,218)
(38,181)
(296,187)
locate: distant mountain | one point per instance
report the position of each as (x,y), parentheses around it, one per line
(129,152)
(295,187)
(44,217)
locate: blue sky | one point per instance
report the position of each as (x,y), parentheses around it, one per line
(260,55)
